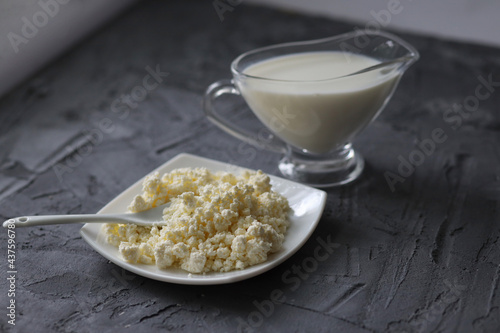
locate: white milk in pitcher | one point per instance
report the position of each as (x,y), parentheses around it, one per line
(310,99)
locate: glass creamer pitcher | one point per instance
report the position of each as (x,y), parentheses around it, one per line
(314,97)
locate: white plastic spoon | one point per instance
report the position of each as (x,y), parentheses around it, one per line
(147,218)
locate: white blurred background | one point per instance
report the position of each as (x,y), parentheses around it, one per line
(32,32)
(465,20)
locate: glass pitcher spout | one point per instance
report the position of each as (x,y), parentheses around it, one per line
(392,52)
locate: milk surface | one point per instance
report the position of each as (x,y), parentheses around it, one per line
(312,101)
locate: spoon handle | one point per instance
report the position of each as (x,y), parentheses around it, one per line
(26,221)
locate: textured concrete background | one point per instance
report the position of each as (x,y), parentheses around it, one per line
(424,257)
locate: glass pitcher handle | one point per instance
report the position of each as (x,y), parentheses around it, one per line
(262,139)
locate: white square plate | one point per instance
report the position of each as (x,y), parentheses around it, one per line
(307,205)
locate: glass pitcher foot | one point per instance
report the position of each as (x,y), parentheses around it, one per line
(334,169)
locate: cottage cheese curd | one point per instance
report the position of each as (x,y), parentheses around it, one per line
(216,222)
